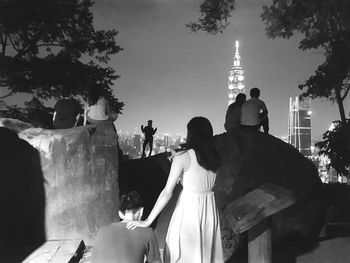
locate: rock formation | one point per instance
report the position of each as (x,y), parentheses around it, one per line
(80,169)
(251,159)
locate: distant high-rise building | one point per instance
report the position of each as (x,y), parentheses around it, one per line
(235,77)
(137,142)
(166,141)
(299,125)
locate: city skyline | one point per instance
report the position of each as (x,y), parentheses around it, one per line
(170,75)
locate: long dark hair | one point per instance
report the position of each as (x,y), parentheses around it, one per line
(131,201)
(200,139)
(94,96)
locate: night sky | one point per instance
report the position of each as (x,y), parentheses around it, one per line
(170,75)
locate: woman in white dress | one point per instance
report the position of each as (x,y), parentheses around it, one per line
(194,230)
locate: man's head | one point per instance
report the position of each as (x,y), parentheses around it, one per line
(255,93)
(131,206)
(150,123)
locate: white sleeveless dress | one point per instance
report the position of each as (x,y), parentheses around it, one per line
(194,231)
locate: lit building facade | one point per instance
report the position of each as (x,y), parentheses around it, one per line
(299,125)
(235,77)
(137,142)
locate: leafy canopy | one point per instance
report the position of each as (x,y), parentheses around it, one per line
(324,25)
(50,49)
(336,146)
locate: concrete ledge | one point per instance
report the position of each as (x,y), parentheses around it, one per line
(60,251)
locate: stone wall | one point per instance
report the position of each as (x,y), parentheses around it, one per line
(80,168)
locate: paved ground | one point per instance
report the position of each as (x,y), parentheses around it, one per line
(336,250)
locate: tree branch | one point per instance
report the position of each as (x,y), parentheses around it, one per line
(13,44)
(3,45)
(30,46)
(346,93)
(50,45)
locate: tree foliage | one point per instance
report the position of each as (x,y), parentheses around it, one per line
(335,145)
(214,16)
(324,25)
(50,49)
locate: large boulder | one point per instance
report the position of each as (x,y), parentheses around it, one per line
(80,169)
(22,198)
(251,159)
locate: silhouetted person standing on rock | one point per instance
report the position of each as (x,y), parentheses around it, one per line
(254,112)
(149,131)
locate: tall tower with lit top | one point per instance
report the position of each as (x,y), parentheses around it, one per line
(235,77)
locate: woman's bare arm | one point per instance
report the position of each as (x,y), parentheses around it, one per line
(176,170)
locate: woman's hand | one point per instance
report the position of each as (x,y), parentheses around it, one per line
(134,224)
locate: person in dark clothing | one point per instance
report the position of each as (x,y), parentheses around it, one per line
(234,113)
(66,113)
(149,131)
(116,243)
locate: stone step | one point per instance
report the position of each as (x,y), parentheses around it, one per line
(58,251)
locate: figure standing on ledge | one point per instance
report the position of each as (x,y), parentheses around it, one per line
(149,131)
(254,112)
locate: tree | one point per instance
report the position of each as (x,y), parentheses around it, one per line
(335,145)
(324,26)
(50,49)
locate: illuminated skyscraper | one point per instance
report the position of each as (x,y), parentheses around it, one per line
(137,142)
(299,125)
(235,77)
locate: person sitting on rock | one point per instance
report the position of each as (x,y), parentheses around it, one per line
(66,113)
(116,243)
(254,112)
(234,113)
(98,110)
(149,131)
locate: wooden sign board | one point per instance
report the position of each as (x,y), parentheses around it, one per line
(252,208)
